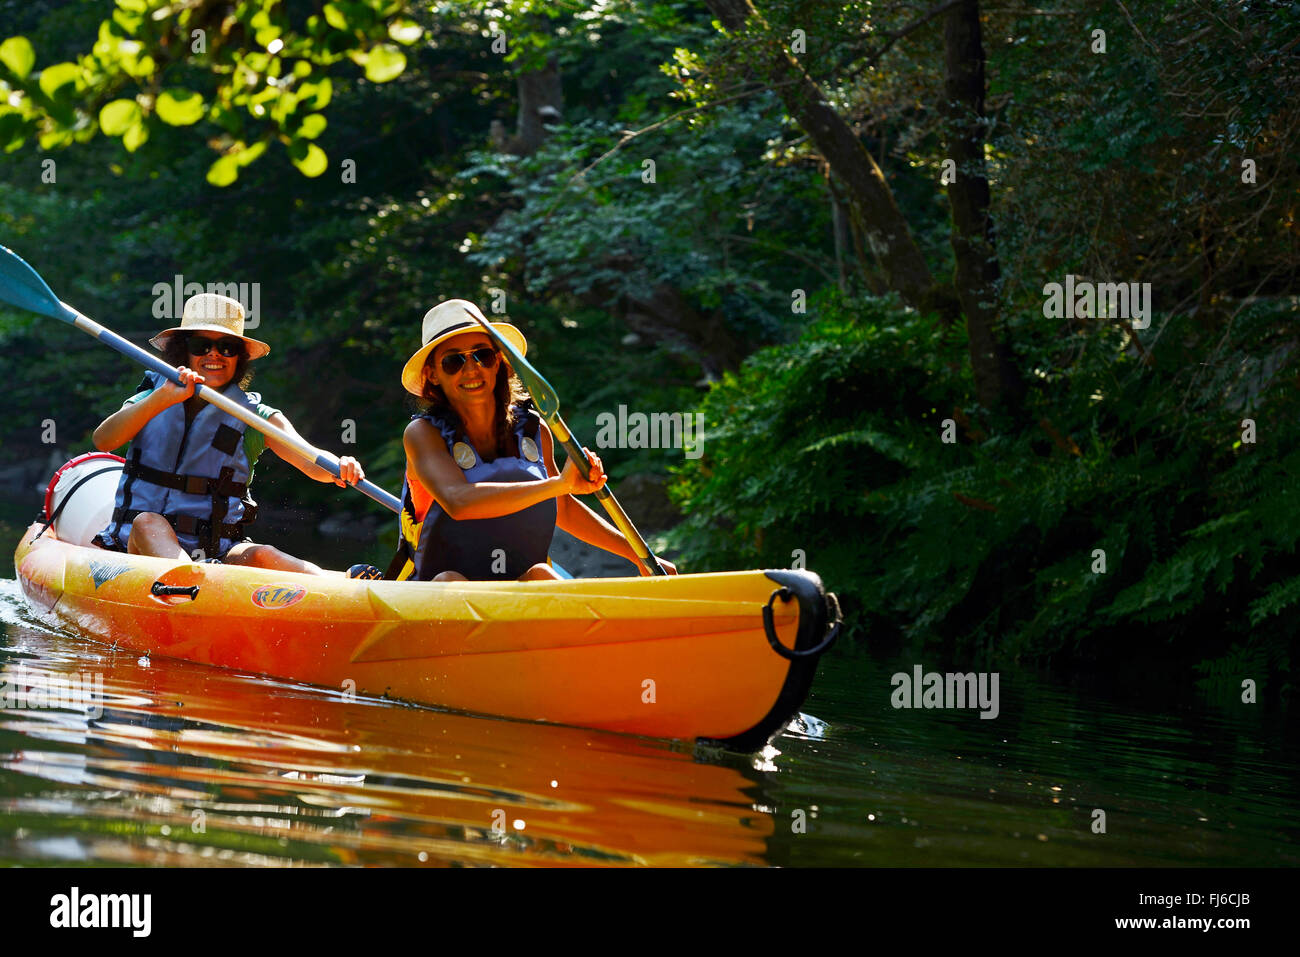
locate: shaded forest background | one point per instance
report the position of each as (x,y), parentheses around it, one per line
(840,259)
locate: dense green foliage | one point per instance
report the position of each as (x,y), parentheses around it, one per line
(832,451)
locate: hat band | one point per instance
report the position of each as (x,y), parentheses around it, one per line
(443,332)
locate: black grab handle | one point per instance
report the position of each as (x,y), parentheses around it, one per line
(769,626)
(159,589)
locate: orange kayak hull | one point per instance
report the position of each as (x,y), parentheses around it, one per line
(681,657)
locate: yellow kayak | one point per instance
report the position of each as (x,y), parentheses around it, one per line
(726,657)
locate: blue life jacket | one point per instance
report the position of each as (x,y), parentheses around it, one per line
(193,472)
(433,542)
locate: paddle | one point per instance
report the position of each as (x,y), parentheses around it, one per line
(548,404)
(21,286)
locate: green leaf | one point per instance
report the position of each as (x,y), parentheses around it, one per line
(119,116)
(224,171)
(405,31)
(17,54)
(13,131)
(135,137)
(312,126)
(180,107)
(313,163)
(385,62)
(336,17)
(57,76)
(247,155)
(321,93)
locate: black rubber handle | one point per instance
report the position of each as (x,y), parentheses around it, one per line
(161,590)
(769,626)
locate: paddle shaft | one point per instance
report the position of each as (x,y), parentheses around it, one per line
(548,404)
(606,498)
(242,412)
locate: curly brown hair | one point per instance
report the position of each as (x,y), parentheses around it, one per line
(177,353)
(508,392)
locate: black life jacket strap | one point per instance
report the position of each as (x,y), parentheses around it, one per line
(224,485)
(189,525)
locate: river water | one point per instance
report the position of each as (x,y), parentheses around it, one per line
(190,765)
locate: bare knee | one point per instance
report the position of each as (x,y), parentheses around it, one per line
(268,556)
(449,577)
(148,524)
(151,534)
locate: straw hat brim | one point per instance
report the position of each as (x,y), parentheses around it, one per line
(413,371)
(256,347)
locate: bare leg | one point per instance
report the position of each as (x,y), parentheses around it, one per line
(268,556)
(151,534)
(449,577)
(541,572)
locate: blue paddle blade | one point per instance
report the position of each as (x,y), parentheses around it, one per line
(21,286)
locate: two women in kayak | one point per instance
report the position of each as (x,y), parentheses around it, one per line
(184,488)
(481,498)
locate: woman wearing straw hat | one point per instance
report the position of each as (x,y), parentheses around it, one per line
(184,489)
(482,496)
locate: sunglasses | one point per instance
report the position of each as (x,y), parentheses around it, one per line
(455,361)
(227,346)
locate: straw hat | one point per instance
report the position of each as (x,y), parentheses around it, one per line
(447,319)
(208,312)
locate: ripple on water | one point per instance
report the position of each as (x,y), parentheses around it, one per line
(186,765)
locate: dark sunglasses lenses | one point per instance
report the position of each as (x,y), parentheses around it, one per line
(485,357)
(228,347)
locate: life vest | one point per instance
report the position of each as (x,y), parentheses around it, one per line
(193,472)
(481,549)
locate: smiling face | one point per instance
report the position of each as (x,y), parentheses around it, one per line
(216,369)
(471,385)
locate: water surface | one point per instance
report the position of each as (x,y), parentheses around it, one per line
(190,765)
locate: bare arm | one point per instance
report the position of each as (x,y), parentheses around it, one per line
(584,524)
(445,480)
(578,520)
(125,424)
(350,467)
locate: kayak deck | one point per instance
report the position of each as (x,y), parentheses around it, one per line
(685,656)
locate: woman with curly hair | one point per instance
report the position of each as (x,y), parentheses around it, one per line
(184,488)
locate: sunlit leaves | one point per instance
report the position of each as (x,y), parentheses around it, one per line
(17,54)
(119,116)
(55,77)
(383,62)
(259,74)
(312,126)
(335,16)
(178,107)
(308,157)
(135,137)
(226,169)
(319,93)
(405,31)
(13,130)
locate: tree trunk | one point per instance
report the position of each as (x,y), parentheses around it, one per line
(997,380)
(871,201)
(541,102)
